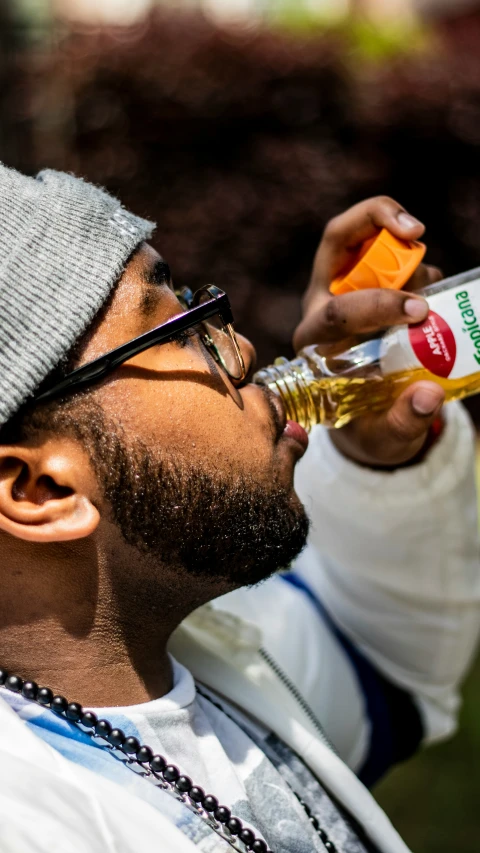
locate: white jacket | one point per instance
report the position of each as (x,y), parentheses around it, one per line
(393,557)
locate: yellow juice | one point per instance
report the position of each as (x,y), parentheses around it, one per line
(333,389)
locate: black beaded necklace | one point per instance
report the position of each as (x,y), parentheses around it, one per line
(155,768)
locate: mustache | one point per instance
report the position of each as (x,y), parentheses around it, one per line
(277,415)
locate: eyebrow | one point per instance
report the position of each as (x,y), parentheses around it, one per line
(159,273)
(154,277)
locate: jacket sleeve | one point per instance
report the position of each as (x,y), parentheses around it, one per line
(394,560)
(377,620)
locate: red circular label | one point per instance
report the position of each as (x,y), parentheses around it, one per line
(434,345)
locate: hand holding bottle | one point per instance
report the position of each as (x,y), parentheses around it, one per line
(395,436)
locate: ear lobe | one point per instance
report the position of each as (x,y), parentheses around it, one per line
(47,492)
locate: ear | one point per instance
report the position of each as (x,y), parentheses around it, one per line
(47,491)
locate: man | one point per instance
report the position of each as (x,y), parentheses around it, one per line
(141,477)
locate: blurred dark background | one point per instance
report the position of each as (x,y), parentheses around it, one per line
(242,141)
(241,129)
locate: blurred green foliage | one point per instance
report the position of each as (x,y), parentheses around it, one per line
(433,799)
(365,37)
(370,41)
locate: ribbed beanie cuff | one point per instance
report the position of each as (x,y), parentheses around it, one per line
(63,245)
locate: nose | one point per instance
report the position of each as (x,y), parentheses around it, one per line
(249,356)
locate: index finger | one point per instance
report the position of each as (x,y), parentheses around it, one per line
(362,312)
(346,232)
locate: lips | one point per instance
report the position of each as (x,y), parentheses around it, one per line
(297,433)
(283,428)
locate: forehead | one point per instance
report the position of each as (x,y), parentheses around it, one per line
(140,289)
(140,286)
(133,304)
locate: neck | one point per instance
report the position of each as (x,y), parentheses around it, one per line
(93,623)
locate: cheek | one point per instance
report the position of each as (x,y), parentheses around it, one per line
(217,427)
(215,424)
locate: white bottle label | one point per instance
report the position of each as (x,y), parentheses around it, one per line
(447,343)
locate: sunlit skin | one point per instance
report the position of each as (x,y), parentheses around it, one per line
(179,395)
(172,395)
(77,611)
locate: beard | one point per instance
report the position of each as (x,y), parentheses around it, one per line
(213,524)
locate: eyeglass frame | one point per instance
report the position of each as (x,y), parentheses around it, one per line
(100,367)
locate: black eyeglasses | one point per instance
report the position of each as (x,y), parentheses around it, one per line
(207,313)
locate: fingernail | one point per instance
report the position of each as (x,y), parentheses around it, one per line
(425,401)
(407,221)
(416,309)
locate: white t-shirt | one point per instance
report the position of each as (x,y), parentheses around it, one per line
(227,754)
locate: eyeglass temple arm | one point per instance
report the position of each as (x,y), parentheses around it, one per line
(80,377)
(105,364)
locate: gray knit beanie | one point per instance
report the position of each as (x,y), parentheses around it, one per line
(63,245)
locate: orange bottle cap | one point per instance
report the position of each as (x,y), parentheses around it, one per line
(383,261)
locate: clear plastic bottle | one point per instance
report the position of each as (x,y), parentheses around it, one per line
(445,348)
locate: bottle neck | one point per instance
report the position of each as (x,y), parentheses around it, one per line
(292,381)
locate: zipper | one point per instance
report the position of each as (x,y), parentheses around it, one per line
(300,700)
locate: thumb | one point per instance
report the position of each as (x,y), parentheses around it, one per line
(410,417)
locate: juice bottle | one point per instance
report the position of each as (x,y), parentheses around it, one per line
(444,348)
